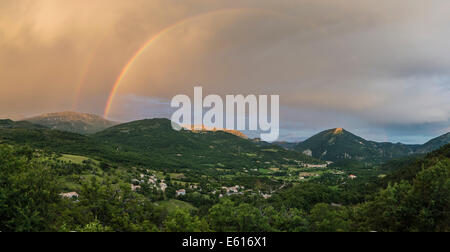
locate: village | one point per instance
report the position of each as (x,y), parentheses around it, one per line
(177,186)
(180,188)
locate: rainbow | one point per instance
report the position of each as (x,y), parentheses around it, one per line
(81,81)
(160,34)
(85,71)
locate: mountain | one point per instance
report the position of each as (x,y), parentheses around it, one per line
(203,128)
(408,169)
(156,138)
(153,143)
(72,122)
(24,133)
(9,124)
(339,144)
(434,144)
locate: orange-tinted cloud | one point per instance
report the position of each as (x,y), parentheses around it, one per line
(383,62)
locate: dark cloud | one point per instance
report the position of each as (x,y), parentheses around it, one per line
(379,68)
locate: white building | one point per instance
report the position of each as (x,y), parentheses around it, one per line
(180,192)
(69,195)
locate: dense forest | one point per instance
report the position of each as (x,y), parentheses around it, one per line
(413,195)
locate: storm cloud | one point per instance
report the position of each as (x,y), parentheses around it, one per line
(379,68)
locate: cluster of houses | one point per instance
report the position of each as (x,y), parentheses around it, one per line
(237,189)
(225,191)
(316,165)
(151,180)
(182,192)
(233,190)
(327,163)
(70,195)
(305,175)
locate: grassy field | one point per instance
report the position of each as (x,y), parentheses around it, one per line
(176,175)
(265,171)
(73,158)
(173,204)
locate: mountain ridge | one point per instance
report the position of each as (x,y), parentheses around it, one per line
(204,128)
(340,144)
(10,124)
(153,143)
(157,135)
(329,145)
(75,122)
(434,143)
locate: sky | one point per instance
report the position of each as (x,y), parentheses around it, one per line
(380,69)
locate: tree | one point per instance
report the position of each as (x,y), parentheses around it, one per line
(327,218)
(403,207)
(228,217)
(182,221)
(303,196)
(287,220)
(431,196)
(94,227)
(391,210)
(114,206)
(28,193)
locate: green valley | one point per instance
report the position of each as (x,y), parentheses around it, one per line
(144,176)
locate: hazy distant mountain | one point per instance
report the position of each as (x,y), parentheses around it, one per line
(73,122)
(9,124)
(339,144)
(434,144)
(286,145)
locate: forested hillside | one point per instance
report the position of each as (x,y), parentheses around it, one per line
(339,144)
(417,198)
(153,143)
